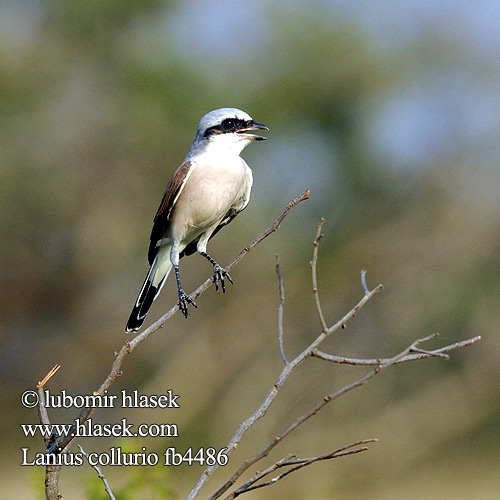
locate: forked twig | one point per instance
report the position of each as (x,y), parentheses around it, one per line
(296,464)
(410,353)
(414,355)
(47,377)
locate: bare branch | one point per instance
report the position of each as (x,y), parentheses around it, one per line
(412,350)
(100,475)
(314,261)
(297,463)
(280,310)
(302,463)
(268,400)
(327,399)
(43,416)
(51,471)
(47,377)
(363,281)
(415,355)
(263,473)
(129,346)
(431,353)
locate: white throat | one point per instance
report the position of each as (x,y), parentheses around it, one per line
(220,145)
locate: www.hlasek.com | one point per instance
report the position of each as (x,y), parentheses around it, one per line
(95,429)
(89,428)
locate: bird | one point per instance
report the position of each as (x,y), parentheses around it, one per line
(210,188)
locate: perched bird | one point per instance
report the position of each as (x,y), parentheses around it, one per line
(209,189)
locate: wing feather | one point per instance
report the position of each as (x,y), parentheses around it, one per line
(162,217)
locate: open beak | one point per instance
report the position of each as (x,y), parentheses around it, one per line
(253,125)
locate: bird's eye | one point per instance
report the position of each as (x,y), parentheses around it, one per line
(228,123)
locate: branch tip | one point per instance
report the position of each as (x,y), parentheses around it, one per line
(47,377)
(363,281)
(424,339)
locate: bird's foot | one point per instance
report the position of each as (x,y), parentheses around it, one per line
(219,274)
(184,300)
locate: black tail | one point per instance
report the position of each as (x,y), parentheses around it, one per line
(141,308)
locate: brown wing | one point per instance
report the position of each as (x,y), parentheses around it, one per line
(162,217)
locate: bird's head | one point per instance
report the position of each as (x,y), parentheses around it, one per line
(226,130)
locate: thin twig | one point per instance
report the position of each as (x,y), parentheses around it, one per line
(129,346)
(415,355)
(263,473)
(302,464)
(363,281)
(297,464)
(280,310)
(47,377)
(100,475)
(314,261)
(431,353)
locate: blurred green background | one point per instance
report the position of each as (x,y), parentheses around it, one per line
(389,113)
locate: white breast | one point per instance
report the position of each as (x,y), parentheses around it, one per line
(215,185)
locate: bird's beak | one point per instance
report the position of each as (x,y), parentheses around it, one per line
(253,125)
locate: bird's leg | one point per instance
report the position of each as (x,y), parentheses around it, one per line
(184,300)
(219,273)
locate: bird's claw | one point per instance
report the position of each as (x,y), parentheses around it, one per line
(184,300)
(219,274)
